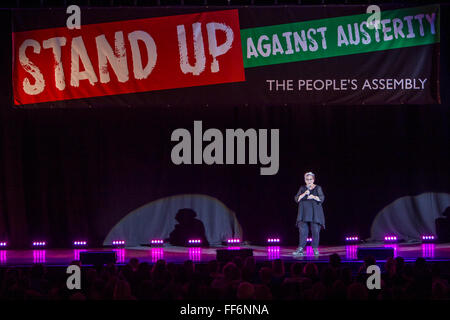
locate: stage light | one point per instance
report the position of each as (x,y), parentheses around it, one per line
(118,243)
(157,254)
(273,252)
(351,251)
(352,239)
(156,242)
(120,254)
(194,242)
(428,250)
(39,255)
(3,244)
(428,238)
(233,241)
(3,256)
(39,243)
(309,239)
(390,238)
(272,241)
(195,254)
(80,243)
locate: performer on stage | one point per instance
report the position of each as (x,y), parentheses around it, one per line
(310,213)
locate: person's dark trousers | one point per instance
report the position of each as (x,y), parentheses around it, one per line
(303,229)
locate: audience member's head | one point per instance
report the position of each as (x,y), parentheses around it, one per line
(357,291)
(439,290)
(310,270)
(231,272)
(328,276)
(319,291)
(238,262)
(390,266)
(213,267)
(262,292)
(265,275)
(245,291)
(122,290)
(399,264)
(134,263)
(250,263)
(338,290)
(278,268)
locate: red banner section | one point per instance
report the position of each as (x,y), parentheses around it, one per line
(127,56)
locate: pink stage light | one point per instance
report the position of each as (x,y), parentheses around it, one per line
(157,254)
(428,250)
(234,241)
(390,238)
(80,243)
(194,242)
(120,254)
(273,240)
(3,256)
(156,242)
(118,243)
(351,252)
(428,238)
(195,254)
(76,253)
(273,252)
(351,238)
(309,239)
(3,244)
(39,243)
(39,256)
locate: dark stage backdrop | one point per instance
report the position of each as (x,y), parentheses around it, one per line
(74,169)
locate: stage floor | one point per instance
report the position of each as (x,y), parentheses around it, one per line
(348,253)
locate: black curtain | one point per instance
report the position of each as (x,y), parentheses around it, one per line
(74,173)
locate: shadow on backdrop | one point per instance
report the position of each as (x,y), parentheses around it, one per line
(410,217)
(188,227)
(159,218)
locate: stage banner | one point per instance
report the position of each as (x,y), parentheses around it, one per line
(268,56)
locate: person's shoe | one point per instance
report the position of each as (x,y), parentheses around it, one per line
(316,252)
(298,252)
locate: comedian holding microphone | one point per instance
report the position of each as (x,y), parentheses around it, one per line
(310,213)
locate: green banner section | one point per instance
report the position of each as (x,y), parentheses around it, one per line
(340,36)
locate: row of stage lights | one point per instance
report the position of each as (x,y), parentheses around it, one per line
(232,241)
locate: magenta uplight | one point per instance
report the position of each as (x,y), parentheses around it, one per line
(273,240)
(390,238)
(351,238)
(118,242)
(3,244)
(233,241)
(156,242)
(428,238)
(194,242)
(80,243)
(273,252)
(39,243)
(309,239)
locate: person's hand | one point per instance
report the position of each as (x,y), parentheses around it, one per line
(311,197)
(307,192)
